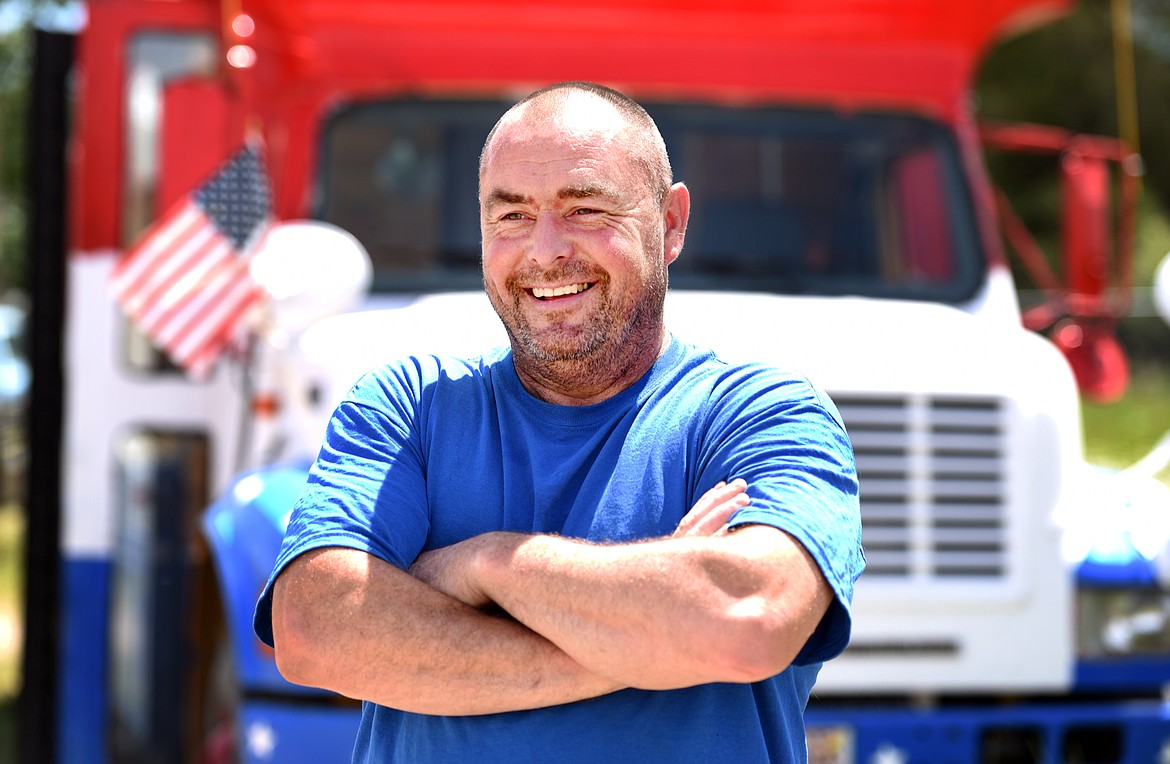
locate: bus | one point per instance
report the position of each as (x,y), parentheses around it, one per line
(844,224)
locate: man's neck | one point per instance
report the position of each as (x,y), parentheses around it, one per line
(591,380)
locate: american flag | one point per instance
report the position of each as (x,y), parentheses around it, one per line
(186,283)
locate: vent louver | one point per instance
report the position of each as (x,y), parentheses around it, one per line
(932,484)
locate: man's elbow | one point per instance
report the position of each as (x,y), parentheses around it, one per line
(295,641)
(295,665)
(765,640)
(759,650)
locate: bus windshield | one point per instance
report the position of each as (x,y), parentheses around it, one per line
(785,201)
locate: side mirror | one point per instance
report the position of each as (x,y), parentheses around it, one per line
(1096,356)
(1097,220)
(310,270)
(1162,289)
(1086,222)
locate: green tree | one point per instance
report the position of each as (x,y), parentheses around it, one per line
(17,20)
(1063,75)
(14,50)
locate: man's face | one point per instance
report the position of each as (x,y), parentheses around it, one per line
(573,256)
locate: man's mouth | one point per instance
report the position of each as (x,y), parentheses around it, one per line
(546,293)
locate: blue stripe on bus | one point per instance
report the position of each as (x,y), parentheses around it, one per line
(81,701)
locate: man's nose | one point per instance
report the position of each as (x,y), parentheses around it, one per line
(550,241)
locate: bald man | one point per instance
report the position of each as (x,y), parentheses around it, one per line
(597,544)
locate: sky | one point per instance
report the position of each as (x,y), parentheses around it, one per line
(69,17)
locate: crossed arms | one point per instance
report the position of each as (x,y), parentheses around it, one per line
(582,620)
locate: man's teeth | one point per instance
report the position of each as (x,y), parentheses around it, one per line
(544,292)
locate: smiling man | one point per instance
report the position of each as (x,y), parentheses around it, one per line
(598,544)
(576,245)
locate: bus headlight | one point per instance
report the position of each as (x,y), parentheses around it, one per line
(1112,622)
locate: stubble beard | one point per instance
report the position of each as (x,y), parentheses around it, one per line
(590,355)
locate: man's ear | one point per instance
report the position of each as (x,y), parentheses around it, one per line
(676,214)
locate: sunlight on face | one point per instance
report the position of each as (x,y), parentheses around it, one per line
(572,235)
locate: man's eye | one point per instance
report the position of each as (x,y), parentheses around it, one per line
(585,211)
(512,216)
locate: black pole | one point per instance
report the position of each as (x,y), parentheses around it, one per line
(48,127)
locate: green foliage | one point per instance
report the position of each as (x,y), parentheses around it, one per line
(1060,74)
(11,592)
(1063,75)
(14,54)
(15,63)
(1118,434)
(1152,239)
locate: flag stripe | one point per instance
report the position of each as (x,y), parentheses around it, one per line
(201,361)
(194,309)
(197,306)
(167,304)
(166,273)
(186,283)
(218,318)
(160,236)
(135,267)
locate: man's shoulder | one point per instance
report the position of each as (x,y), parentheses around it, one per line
(705,380)
(706,366)
(419,375)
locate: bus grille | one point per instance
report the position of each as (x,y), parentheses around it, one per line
(932,484)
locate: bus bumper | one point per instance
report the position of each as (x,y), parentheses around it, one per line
(1119,732)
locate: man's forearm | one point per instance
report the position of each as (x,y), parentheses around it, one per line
(666,613)
(705,605)
(358,626)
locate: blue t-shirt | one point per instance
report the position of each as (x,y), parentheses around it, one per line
(414,440)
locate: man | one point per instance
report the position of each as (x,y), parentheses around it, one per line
(600,544)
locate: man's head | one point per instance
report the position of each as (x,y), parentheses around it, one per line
(579,224)
(645,142)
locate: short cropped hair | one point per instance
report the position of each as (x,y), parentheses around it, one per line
(649,150)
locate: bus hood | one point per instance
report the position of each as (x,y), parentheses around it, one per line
(865,345)
(844,344)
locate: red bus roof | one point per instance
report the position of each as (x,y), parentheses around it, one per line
(836,51)
(312,54)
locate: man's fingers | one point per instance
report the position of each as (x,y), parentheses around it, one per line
(714,508)
(719,494)
(714,521)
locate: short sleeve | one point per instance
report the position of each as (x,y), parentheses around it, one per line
(366,489)
(786,439)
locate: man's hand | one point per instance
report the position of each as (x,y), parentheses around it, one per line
(714,509)
(450,569)
(352,623)
(701,605)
